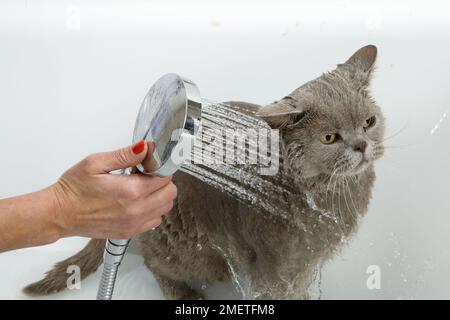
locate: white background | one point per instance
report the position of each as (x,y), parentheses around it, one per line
(73,74)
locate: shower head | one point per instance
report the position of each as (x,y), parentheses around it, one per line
(170,117)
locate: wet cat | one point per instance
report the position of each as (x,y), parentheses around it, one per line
(332,132)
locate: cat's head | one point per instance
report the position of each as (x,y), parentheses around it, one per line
(331,125)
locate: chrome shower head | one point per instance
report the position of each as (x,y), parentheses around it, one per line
(170,117)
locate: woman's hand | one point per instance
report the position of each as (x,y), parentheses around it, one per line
(93,203)
(89,201)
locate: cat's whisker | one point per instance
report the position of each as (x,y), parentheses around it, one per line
(392,147)
(332,204)
(399,146)
(339,201)
(355,212)
(344,180)
(396,133)
(333,212)
(332,197)
(331,177)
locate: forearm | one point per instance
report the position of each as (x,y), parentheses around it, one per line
(29,220)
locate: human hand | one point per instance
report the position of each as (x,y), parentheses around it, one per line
(92,202)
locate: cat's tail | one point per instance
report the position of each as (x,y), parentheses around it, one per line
(88,260)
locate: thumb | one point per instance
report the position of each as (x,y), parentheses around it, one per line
(120,159)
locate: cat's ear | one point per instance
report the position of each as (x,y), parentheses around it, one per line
(358,68)
(364,58)
(280,113)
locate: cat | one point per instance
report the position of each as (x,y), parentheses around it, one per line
(332,132)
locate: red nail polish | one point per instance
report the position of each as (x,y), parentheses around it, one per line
(138,147)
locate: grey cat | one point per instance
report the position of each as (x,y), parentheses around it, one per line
(332,132)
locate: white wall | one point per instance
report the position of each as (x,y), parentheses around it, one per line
(73,74)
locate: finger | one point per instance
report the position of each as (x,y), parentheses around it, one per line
(159,212)
(146,184)
(105,162)
(149,225)
(153,218)
(160,197)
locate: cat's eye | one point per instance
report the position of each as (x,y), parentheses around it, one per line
(328,138)
(370,122)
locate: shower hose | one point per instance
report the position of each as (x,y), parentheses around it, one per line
(114,252)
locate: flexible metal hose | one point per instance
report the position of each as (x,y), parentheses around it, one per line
(114,252)
(106,288)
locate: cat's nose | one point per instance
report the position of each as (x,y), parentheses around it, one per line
(360,146)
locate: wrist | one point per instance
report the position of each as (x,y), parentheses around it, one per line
(31,220)
(59,210)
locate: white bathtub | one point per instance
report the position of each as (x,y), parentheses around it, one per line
(73,73)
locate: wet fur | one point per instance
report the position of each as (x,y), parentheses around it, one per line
(277,255)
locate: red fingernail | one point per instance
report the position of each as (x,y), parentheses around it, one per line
(138,147)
